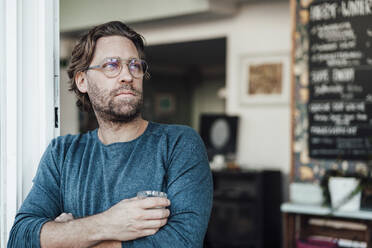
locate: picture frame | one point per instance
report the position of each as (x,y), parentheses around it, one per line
(165,104)
(265,78)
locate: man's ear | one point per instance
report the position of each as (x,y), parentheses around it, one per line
(81,82)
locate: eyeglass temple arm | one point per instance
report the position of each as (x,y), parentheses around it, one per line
(94,67)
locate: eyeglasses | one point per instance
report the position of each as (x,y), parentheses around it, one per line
(112,67)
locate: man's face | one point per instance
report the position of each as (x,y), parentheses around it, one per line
(117,99)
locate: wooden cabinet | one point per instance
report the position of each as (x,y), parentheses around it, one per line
(246,210)
(305,221)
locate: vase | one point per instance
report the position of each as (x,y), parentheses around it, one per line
(341,190)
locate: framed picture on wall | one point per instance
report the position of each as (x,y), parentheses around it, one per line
(264,78)
(165,104)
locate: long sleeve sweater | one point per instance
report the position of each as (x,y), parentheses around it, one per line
(78,174)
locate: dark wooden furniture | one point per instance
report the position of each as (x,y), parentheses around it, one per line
(246,210)
(305,221)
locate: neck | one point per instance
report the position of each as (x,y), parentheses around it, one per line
(110,132)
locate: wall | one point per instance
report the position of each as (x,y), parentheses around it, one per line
(69,112)
(84,11)
(265,138)
(258,27)
(205,100)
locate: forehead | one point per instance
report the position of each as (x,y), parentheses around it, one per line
(114,46)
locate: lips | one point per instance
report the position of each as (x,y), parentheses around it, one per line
(126,92)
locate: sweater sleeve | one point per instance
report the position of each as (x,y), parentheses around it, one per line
(190,190)
(40,206)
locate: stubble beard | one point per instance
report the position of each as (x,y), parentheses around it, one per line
(116,111)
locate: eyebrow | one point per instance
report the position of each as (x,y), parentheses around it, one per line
(119,58)
(111,58)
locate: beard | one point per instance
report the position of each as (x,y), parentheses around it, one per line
(109,108)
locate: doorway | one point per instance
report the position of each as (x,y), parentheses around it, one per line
(185,80)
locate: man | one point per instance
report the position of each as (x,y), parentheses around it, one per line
(84,192)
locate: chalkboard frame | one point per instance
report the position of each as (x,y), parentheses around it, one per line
(304,168)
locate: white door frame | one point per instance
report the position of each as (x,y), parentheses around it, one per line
(29,93)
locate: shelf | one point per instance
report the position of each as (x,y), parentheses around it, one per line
(304,221)
(324,211)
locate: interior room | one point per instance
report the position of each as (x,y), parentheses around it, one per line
(279,92)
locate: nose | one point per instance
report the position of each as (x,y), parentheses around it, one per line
(125,76)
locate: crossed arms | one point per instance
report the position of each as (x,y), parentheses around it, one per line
(127,220)
(129,223)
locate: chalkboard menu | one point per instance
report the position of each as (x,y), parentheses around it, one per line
(340,79)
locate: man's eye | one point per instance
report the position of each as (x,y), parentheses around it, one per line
(135,66)
(111,66)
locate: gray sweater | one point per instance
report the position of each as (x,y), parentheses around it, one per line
(80,175)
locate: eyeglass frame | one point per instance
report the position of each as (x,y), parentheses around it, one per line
(122,62)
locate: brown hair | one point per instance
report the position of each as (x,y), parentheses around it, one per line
(83,53)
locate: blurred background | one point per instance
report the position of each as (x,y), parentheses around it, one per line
(280,92)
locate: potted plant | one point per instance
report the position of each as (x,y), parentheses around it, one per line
(343,190)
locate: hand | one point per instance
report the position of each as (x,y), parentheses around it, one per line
(135,218)
(64,217)
(108,244)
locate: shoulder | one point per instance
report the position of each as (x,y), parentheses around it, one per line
(60,149)
(179,139)
(175,132)
(61,145)
(63,142)
(172,130)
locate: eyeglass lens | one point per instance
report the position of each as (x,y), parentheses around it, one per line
(113,67)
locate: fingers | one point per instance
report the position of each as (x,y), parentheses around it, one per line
(153,202)
(64,217)
(152,224)
(149,227)
(148,232)
(155,214)
(130,199)
(133,218)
